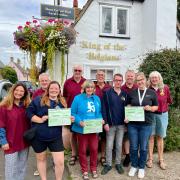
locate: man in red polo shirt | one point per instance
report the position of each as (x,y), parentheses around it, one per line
(72,87)
(44,82)
(128,87)
(101,87)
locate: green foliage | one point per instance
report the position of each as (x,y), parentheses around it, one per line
(172,141)
(167,62)
(9,73)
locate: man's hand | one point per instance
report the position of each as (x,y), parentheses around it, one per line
(126,120)
(106,127)
(5,147)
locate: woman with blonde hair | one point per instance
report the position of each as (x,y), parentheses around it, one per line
(160,122)
(139,132)
(47,137)
(86,106)
(13,124)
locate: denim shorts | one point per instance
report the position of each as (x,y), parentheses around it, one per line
(159,124)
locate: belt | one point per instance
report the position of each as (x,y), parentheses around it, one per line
(160,112)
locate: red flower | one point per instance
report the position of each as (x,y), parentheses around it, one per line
(50,20)
(66,22)
(20,27)
(28,23)
(35,21)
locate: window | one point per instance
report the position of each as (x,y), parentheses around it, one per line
(114,21)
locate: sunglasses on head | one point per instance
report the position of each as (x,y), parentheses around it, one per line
(77,70)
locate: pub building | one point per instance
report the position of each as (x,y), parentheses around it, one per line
(113,35)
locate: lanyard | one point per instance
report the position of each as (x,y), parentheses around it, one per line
(141,98)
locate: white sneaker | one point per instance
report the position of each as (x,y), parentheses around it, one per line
(141,173)
(132,171)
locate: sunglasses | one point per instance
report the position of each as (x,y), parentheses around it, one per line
(77,70)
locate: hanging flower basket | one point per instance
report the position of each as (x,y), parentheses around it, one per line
(47,38)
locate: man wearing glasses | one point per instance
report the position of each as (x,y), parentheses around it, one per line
(113,103)
(72,87)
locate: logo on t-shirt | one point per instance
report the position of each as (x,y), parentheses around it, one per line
(90,107)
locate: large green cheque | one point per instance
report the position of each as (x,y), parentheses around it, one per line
(59,117)
(134,113)
(92,126)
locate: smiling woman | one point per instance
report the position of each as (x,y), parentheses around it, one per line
(13,124)
(139,132)
(47,136)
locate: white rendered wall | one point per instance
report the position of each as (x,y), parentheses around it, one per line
(152,26)
(159,24)
(88,29)
(166,24)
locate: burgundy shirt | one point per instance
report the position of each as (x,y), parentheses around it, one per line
(127,89)
(164,99)
(38,92)
(71,89)
(15,123)
(99,92)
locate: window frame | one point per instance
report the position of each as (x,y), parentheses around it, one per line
(114,21)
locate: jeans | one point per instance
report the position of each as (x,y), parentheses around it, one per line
(139,137)
(118,133)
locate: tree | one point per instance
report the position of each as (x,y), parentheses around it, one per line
(167,62)
(9,73)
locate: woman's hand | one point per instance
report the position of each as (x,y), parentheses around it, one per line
(82,124)
(103,122)
(72,119)
(126,120)
(5,147)
(44,118)
(147,108)
(106,127)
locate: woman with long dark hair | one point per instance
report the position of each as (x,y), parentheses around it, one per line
(13,124)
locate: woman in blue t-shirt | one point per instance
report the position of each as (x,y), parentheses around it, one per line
(47,137)
(86,107)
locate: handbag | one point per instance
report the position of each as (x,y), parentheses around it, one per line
(29,135)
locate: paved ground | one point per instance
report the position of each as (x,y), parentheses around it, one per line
(31,168)
(172,173)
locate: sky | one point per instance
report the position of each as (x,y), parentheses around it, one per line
(14,13)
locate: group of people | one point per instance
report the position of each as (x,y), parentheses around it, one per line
(88,101)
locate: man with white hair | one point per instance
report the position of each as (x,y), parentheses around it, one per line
(72,87)
(101,87)
(44,81)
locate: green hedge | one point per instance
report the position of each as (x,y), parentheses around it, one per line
(172,141)
(167,62)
